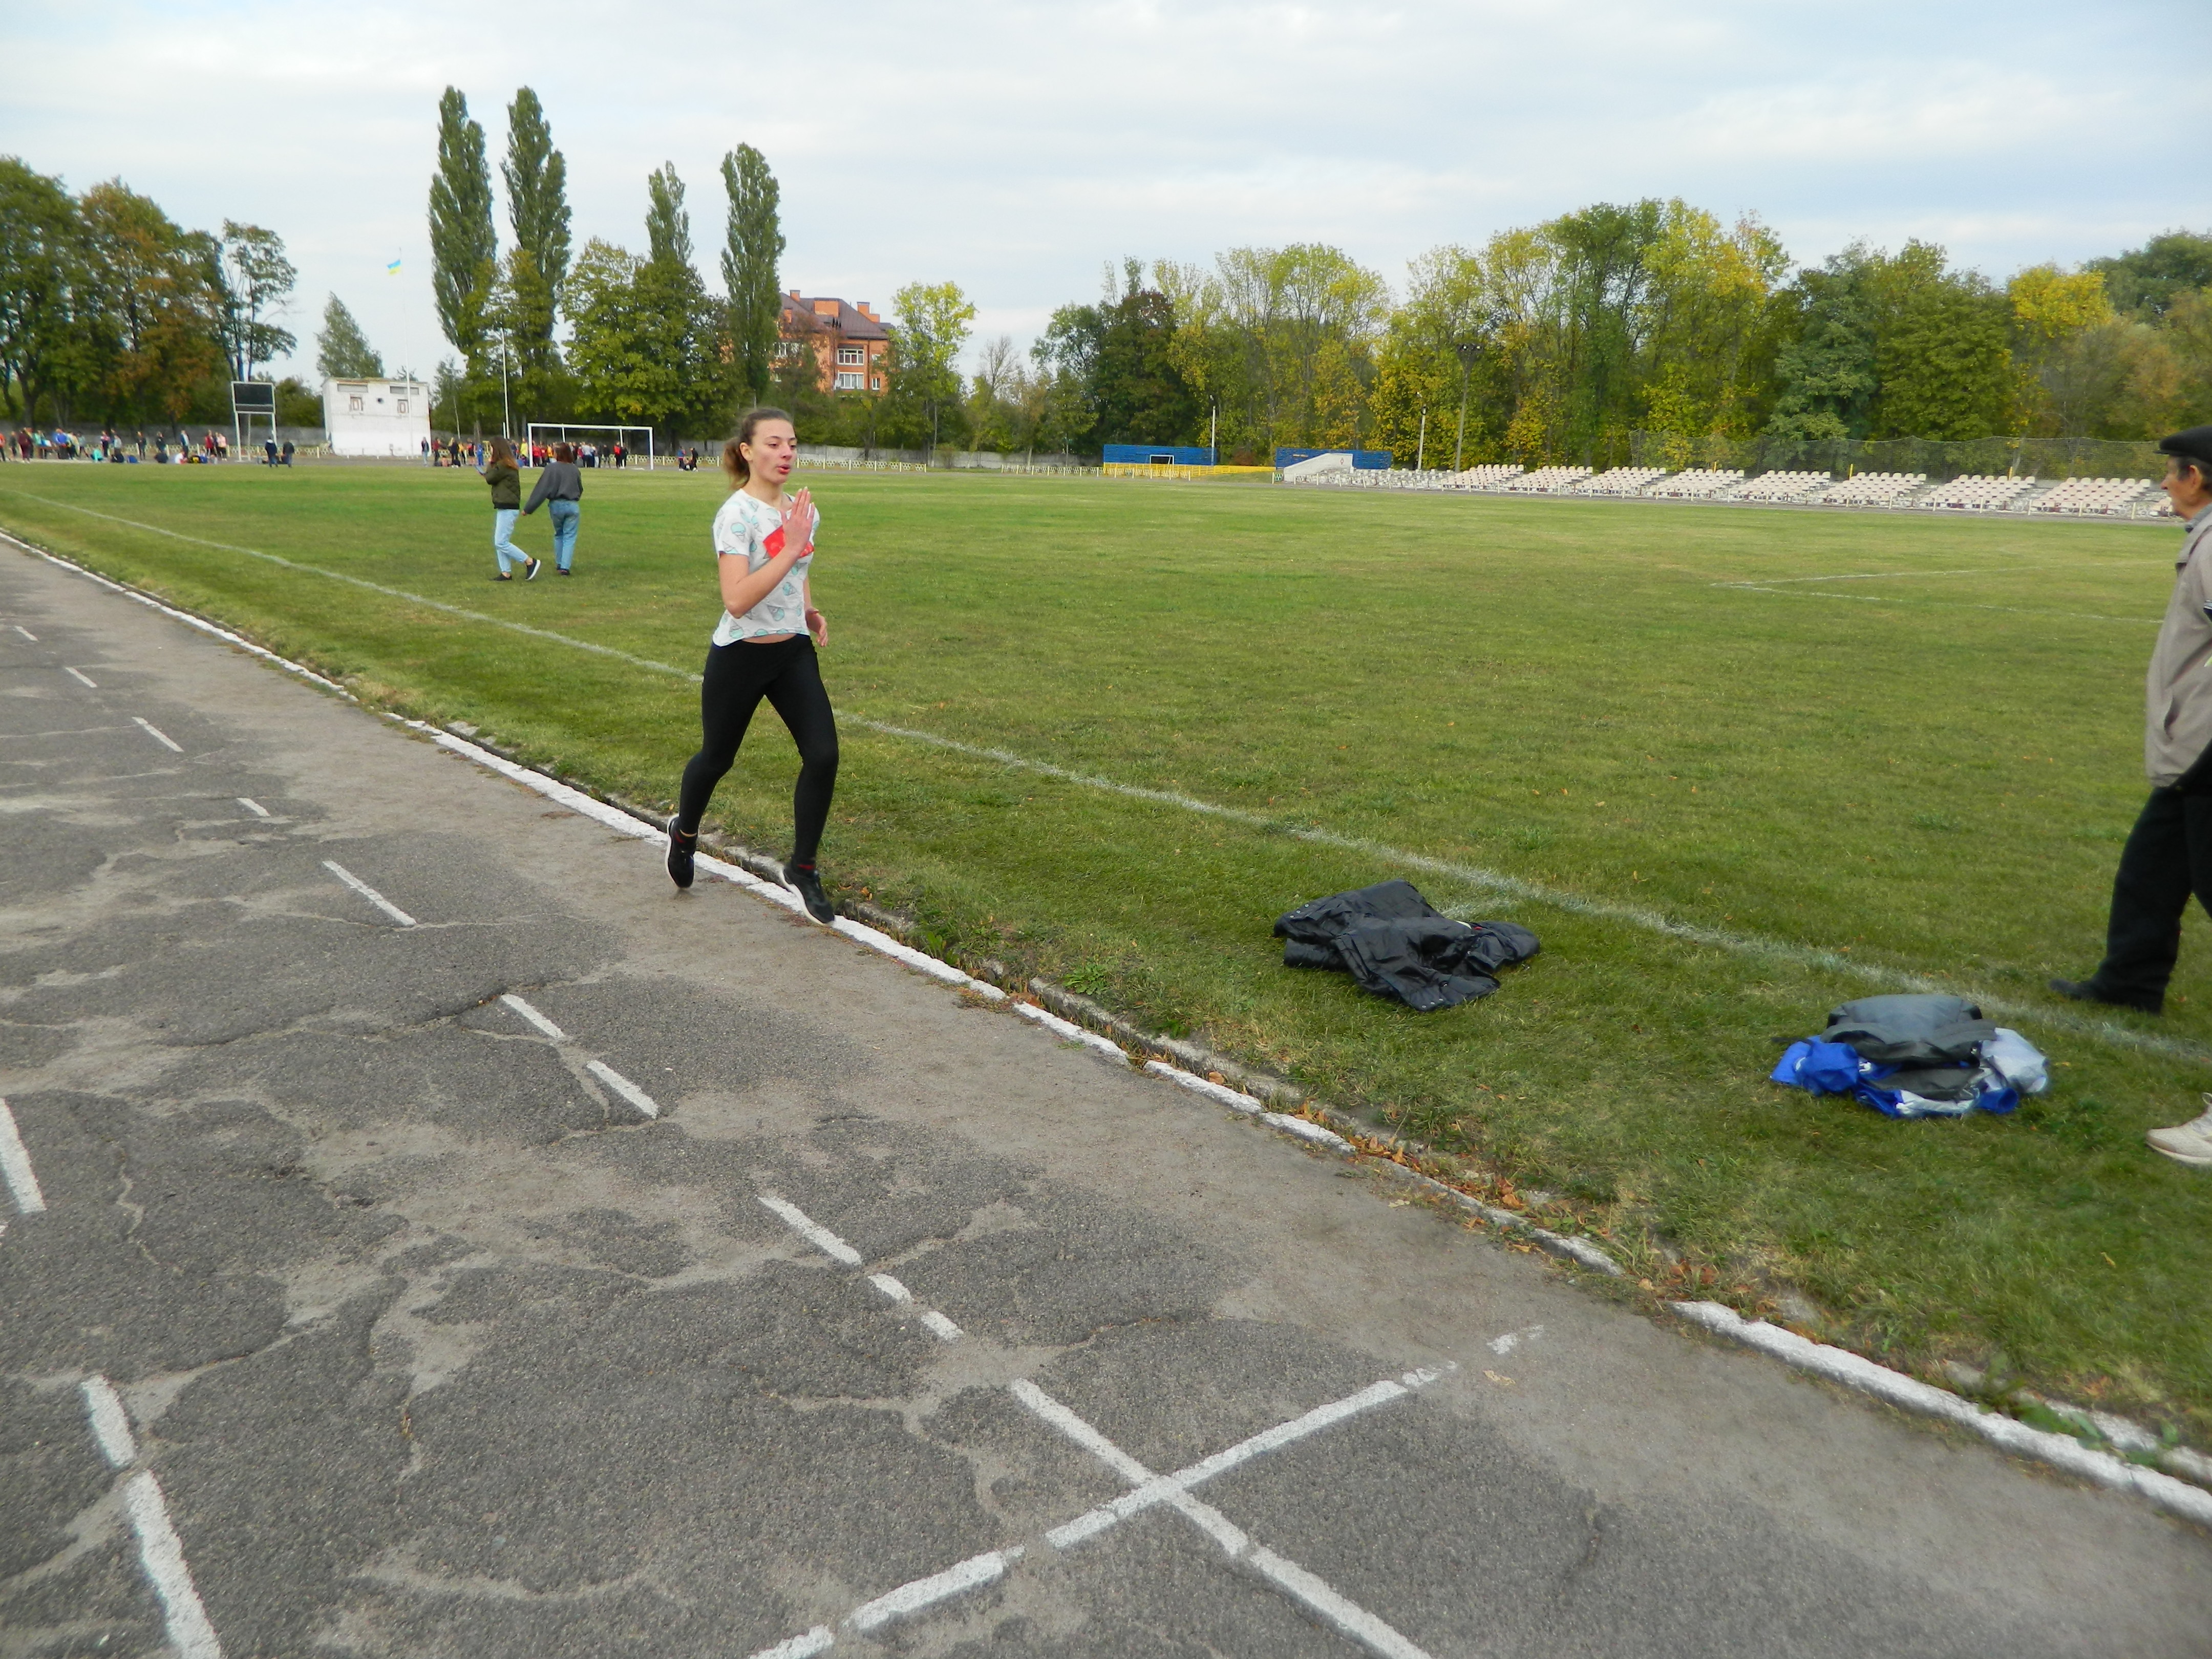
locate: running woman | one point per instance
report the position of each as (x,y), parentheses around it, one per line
(764,646)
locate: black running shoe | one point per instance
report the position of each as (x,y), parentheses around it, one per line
(2089,990)
(681,846)
(803,882)
(529,571)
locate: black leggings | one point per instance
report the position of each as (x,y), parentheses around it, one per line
(788,674)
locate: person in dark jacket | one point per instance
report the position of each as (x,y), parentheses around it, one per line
(505,479)
(561,489)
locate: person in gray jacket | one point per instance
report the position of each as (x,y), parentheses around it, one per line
(2168,855)
(561,489)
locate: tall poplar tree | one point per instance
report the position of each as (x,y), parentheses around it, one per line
(342,351)
(536,178)
(754,246)
(463,245)
(667,225)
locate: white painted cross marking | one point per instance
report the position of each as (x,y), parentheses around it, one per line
(817,1640)
(253,806)
(15,1167)
(1504,1345)
(536,1018)
(83,679)
(25,632)
(623,1086)
(939,1327)
(890,1287)
(815,1233)
(111,1424)
(158,734)
(1341,1614)
(163,1557)
(366,891)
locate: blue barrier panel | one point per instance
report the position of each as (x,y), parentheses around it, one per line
(1367,460)
(1157,455)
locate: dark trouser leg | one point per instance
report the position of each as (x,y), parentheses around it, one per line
(799,696)
(2168,857)
(735,678)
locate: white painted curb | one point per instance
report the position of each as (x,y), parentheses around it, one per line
(1909,1393)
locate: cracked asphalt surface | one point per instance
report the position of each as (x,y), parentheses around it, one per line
(437,1346)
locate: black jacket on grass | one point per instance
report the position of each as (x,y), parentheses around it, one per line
(1395,943)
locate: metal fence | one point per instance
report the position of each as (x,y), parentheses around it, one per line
(1934,458)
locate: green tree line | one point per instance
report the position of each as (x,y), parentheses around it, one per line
(1556,341)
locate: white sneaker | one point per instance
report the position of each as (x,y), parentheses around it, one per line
(2188,1143)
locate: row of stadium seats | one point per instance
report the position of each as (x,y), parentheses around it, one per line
(2110,497)
(1550,481)
(1872,490)
(1977,493)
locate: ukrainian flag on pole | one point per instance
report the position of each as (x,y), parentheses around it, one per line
(392,270)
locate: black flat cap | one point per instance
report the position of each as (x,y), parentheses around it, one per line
(2193,444)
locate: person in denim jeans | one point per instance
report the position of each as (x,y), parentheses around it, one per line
(561,489)
(505,479)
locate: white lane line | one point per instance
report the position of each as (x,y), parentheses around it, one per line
(368,893)
(15,1167)
(1494,881)
(25,632)
(111,1424)
(158,734)
(623,1086)
(1347,1617)
(83,679)
(890,1287)
(941,1327)
(163,1557)
(1350,1619)
(536,1018)
(253,806)
(813,1231)
(971,1574)
(817,1640)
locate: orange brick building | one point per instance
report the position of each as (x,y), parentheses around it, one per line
(848,340)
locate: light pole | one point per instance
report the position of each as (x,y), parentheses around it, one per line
(1421,445)
(1213,436)
(1468,350)
(506,409)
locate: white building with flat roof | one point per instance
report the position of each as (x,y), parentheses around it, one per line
(376,417)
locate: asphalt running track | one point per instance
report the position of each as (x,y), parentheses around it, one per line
(426,1235)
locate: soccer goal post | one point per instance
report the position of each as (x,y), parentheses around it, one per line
(559,432)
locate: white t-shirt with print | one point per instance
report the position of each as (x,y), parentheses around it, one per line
(741,530)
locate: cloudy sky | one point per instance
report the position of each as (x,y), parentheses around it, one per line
(1015,148)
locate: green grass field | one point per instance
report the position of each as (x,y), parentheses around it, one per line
(1854,747)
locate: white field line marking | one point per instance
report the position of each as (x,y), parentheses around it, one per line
(158,734)
(813,1231)
(183,616)
(940,1328)
(2059,1450)
(536,1018)
(25,632)
(623,1086)
(163,1557)
(1506,886)
(111,1424)
(15,1167)
(369,893)
(1904,575)
(1347,1617)
(355,581)
(820,1639)
(892,1288)
(81,679)
(971,1574)
(253,806)
(1942,604)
